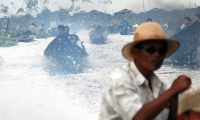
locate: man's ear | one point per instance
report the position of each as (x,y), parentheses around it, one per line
(182,117)
(135,53)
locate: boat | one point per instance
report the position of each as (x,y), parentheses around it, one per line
(126,32)
(189,43)
(23,39)
(65,56)
(98,35)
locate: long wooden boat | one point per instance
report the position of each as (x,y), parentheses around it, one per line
(23,39)
(189,38)
(98,35)
(65,56)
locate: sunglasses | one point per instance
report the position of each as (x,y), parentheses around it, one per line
(152,49)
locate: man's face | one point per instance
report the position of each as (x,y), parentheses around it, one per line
(66,30)
(150,56)
(60,31)
(189,116)
(186,22)
(196,18)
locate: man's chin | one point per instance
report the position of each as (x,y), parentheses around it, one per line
(156,66)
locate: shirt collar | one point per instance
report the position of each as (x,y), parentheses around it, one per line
(140,79)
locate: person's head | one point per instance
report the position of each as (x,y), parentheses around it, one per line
(189,105)
(149,20)
(33,24)
(187,21)
(66,29)
(74,38)
(196,17)
(149,47)
(61,29)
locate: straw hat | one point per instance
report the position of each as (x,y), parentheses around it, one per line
(147,32)
(189,100)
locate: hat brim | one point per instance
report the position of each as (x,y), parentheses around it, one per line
(173,45)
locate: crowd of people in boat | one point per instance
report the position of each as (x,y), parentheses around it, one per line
(187,21)
(66,51)
(125,28)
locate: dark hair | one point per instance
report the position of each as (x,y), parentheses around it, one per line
(149,19)
(188,18)
(197,15)
(61,27)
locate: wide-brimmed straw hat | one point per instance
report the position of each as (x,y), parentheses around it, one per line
(147,32)
(189,100)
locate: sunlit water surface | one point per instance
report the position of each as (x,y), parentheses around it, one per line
(29,92)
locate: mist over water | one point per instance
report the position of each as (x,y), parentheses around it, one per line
(29,92)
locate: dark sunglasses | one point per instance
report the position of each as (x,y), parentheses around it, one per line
(152,49)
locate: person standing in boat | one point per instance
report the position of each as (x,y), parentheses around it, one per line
(186,22)
(53,28)
(135,92)
(52,50)
(41,28)
(33,29)
(125,25)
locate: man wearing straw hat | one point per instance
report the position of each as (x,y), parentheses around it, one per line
(189,105)
(134,92)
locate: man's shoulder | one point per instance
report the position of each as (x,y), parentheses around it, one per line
(120,76)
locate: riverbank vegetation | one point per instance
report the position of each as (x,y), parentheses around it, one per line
(5,41)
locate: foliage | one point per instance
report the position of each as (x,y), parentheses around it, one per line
(6,42)
(31,6)
(43,35)
(73,8)
(16,32)
(86,1)
(20,10)
(4,9)
(44,4)
(105,1)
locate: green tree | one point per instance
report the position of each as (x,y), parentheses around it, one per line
(31,7)
(105,2)
(72,8)
(86,3)
(44,4)
(4,9)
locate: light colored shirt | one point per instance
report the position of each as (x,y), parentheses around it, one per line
(127,91)
(182,26)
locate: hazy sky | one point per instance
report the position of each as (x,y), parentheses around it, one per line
(117,5)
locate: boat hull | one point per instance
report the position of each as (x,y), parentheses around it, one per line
(98,35)
(189,43)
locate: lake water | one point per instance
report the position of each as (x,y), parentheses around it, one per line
(29,92)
